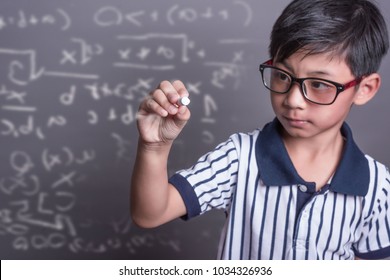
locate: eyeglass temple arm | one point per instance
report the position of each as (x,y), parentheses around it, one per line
(353,83)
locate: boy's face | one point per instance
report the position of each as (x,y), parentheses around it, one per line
(302,118)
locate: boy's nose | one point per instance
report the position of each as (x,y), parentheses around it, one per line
(294,97)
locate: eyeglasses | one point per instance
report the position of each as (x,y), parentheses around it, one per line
(315,90)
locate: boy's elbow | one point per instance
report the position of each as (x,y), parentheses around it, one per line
(144,222)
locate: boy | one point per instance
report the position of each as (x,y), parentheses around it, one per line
(299,188)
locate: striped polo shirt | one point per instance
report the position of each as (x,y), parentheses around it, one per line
(272,213)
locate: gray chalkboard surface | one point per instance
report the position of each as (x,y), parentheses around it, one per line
(72,74)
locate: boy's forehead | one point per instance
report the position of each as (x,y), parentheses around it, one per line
(306,56)
(327,62)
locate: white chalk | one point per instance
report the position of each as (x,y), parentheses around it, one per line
(184,101)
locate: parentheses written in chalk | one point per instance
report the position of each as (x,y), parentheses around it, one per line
(67,19)
(248,11)
(70,205)
(170,14)
(49,161)
(69,155)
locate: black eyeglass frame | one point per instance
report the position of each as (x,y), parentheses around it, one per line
(339,87)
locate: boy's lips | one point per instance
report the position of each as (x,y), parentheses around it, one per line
(293,121)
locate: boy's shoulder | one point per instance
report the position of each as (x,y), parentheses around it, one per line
(268,130)
(378,170)
(245,140)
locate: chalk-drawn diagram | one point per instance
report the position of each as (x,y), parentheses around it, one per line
(72,77)
(21,72)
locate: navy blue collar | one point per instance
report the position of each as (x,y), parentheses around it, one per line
(276,169)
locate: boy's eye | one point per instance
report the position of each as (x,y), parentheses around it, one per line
(282,77)
(319,85)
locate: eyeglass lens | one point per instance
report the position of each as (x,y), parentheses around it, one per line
(315,90)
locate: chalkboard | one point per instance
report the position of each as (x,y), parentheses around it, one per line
(72,75)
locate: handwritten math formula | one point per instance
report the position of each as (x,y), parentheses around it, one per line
(72,75)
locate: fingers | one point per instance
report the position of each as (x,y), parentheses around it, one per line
(173,91)
(180,88)
(164,99)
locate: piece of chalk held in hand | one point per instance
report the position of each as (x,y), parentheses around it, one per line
(184,101)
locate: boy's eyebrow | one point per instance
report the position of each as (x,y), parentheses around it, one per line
(311,73)
(286,65)
(322,73)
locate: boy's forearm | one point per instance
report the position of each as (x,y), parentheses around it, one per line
(149,185)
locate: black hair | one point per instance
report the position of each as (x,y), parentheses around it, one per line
(352,29)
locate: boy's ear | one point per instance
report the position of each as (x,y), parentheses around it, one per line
(368,87)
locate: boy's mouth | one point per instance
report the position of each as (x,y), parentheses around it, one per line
(296,121)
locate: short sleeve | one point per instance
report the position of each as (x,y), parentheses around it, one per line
(210,183)
(375,239)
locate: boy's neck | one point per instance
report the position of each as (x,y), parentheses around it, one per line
(329,143)
(317,158)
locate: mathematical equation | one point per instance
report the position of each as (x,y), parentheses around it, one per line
(108,16)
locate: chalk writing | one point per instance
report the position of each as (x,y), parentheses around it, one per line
(109,16)
(18,72)
(23,20)
(163,52)
(83,54)
(72,77)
